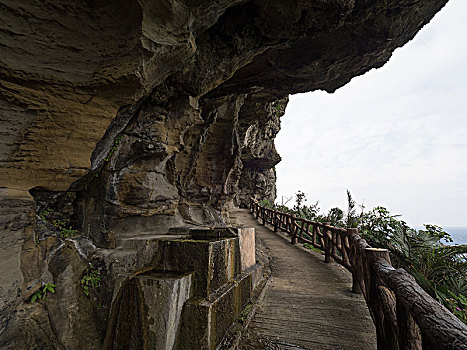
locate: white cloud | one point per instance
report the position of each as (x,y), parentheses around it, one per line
(396,136)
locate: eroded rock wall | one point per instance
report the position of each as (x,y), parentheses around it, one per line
(260,124)
(127,118)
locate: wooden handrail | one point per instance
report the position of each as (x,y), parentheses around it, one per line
(405,316)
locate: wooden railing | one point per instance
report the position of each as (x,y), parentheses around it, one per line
(405,316)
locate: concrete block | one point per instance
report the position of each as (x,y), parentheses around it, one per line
(246,238)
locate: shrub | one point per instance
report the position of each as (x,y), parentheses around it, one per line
(91,279)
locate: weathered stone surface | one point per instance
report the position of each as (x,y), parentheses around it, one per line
(31,330)
(16,236)
(205,321)
(260,124)
(68,67)
(260,184)
(199,273)
(77,320)
(246,240)
(153,321)
(214,262)
(50,58)
(164,297)
(61,90)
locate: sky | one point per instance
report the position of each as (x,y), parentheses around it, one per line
(395,137)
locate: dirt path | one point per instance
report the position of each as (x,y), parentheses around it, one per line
(308,304)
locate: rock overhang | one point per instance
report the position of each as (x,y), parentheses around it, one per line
(67,69)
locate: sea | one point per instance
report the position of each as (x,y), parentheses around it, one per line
(458,234)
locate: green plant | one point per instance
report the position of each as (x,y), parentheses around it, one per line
(265,203)
(69,195)
(113,148)
(310,212)
(378,226)
(311,247)
(441,270)
(278,107)
(335,216)
(41,293)
(458,306)
(62,225)
(68,232)
(45,214)
(91,279)
(245,312)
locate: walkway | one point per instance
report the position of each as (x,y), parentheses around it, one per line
(308,304)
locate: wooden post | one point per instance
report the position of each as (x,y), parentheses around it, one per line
(355,261)
(344,244)
(275,219)
(410,337)
(301,231)
(333,242)
(339,241)
(293,230)
(381,302)
(320,231)
(313,235)
(327,243)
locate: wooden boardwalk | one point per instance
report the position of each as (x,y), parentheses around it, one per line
(308,304)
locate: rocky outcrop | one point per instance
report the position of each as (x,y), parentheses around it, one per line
(125,119)
(17,229)
(260,123)
(69,69)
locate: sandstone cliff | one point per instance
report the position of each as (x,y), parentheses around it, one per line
(127,118)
